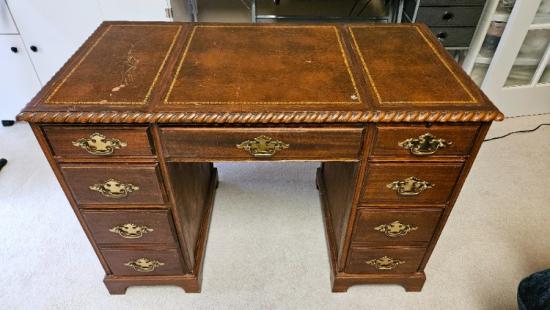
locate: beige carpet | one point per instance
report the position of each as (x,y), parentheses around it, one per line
(266,248)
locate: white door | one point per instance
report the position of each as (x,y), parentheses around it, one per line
(18,82)
(54,29)
(518,79)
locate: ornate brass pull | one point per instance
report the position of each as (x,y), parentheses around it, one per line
(130,231)
(411,186)
(262,146)
(144,264)
(113,188)
(395,229)
(98,144)
(385,263)
(426,144)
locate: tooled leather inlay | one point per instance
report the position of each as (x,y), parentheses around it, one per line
(129,64)
(244,64)
(387,63)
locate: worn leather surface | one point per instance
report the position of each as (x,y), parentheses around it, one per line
(245,64)
(403,68)
(120,67)
(192,72)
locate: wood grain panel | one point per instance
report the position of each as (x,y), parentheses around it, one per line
(388,137)
(80,177)
(191,188)
(117,258)
(339,180)
(61,140)
(101,222)
(423,222)
(443,176)
(304,143)
(410,256)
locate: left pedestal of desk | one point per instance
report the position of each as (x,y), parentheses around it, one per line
(147,219)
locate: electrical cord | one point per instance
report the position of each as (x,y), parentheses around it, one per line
(518,131)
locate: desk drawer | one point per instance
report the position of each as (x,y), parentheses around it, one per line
(395,225)
(419,141)
(449,16)
(385,260)
(451,2)
(454,37)
(410,183)
(91,142)
(130,226)
(143,262)
(114,184)
(262,143)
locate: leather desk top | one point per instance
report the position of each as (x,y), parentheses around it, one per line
(143,72)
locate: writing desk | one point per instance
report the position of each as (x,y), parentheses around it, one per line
(133,122)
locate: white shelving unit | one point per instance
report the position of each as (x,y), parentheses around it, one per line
(515,74)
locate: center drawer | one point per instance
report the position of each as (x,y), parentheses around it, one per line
(262,143)
(114,184)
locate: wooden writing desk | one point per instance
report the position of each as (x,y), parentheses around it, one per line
(133,121)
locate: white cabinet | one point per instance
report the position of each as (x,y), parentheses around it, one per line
(53,30)
(17,79)
(47,33)
(7,26)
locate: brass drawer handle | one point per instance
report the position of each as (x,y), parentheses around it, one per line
(262,146)
(395,229)
(385,263)
(130,231)
(426,144)
(411,186)
(144,264)
(98,144)
(113,188)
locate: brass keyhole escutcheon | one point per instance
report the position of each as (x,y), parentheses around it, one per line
(262,146)
(426,144)
(98,144)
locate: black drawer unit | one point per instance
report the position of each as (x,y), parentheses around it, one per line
(452,21)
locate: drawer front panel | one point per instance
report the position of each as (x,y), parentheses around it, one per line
(91,142)
(113,184)
(263,143)
(449,16)
(130,227)
(385,260)
(394,226)
(419,141)
(454,37)
(410,183)
(451,2)
(143,262)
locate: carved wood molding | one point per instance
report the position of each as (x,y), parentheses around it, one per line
(260,118)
